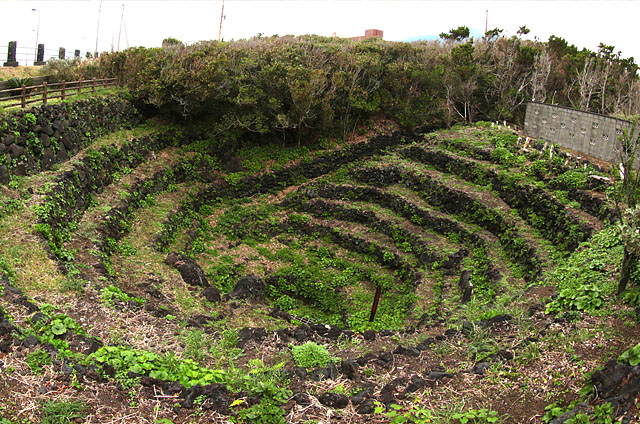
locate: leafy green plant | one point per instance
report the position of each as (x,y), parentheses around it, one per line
(583,298)
(479,416)
(631,356)
(109,293)
(311,355)
(30,119)
(167,367)
(37,359)
(285,302)
(416,414)
(58,326)
(572,179)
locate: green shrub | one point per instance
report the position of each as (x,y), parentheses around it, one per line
(311,355)
(572,179)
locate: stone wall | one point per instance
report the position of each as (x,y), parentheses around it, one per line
(589,133)
(33,140)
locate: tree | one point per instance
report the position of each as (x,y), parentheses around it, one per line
(458,34)
(523,30)
(626,195)
(492,34)
(540,76)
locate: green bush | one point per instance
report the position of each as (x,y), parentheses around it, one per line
(572,179)
(311,355)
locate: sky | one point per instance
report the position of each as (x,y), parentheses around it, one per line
(75,24)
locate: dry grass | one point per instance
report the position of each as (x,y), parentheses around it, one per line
(7,72)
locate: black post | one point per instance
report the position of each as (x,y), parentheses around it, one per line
(11,54)
(76,53)
(374,307)
(61,53)
(40,59)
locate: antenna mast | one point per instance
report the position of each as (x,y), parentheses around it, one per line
(221,18)
(486,21)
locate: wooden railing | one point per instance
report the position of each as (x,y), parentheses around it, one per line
(45,92)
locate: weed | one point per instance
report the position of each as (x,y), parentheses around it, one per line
(62,412)
(37,359)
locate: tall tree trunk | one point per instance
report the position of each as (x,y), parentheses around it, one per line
(628,262)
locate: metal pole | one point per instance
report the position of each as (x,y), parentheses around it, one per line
(35,56)
(98,28)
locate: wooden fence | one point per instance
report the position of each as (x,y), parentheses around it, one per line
(45,92)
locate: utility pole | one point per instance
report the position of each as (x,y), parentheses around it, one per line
(121,20)
(37,34)
(98,28)
(221,18)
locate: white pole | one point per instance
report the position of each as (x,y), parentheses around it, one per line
(98,28)
(35,56)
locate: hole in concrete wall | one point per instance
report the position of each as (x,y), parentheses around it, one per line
(554,115)
(536,111)
(605,137)
(563,125)
(619,131)
(544,121)
(572,135)
(553,130)
(592,142)
(535,126)
(583,130)
(574,120)
(595,125)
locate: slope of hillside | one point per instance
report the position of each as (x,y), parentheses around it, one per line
(162,276)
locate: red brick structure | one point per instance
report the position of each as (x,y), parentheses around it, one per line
(369,33)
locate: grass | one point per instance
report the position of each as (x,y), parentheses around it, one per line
(62,412)
(35,272)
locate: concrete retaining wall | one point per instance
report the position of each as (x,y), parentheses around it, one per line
(589,133)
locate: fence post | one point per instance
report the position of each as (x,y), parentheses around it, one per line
(24,96)
(63,93)
(44,92)
(61,53)
(93,86)
(79,86)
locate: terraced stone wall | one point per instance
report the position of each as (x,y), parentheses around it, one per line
(590,133)
(35,139)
